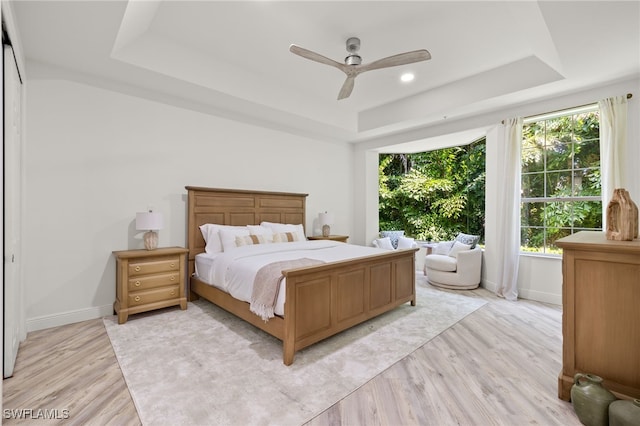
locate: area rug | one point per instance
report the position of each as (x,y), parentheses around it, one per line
(204,366)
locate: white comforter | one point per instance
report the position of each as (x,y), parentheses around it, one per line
(234,271)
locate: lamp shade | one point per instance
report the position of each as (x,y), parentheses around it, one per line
(148,221)
(325,218)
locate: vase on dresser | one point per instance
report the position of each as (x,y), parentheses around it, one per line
(622,217)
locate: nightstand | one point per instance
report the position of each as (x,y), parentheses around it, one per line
(149,279)
(341,238)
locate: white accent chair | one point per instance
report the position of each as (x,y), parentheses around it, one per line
(461,270)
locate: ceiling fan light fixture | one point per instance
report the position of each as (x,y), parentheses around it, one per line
(352,66)
(407,77)
(353,60)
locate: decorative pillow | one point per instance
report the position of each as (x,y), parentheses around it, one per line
(471,240)
(285,237)
(211,235)
(443,247)
(384,243)
(405,243)
(228,236)
(248,240)
(393,236)
(457,248)
(279,228)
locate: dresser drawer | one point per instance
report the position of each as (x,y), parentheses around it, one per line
(153,266)
(155,295)
(152,281)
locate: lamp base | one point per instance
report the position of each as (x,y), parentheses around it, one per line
(150,240)
(326,230)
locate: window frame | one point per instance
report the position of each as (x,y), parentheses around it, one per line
(547,246)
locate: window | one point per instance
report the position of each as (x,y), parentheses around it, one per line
(560,178)
(434,195)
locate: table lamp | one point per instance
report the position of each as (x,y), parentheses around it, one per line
(326,219)
(150,222)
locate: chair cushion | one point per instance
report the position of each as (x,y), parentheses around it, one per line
(384,243)
(457,248)
(441,262)
(443,247)
(405,243)
(393,236)
(471,240)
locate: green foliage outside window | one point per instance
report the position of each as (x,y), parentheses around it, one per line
(434,195)
(560,180)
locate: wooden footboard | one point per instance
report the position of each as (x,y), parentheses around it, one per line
(326,299)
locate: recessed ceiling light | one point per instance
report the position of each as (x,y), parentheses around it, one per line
(407,77)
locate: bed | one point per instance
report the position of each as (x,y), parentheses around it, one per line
(321,300)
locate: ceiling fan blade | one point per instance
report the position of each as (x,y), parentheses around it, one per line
(347,87)
(308,54)
(396,60)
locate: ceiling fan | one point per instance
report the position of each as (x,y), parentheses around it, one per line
(352,63)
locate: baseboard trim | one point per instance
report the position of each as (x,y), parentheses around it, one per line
(540,296)
(70,317)
(537,296)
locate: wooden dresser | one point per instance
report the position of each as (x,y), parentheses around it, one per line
(149,279)
(601,312)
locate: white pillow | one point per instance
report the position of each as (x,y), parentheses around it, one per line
(457,248)
(211,238)
(228,236)
(211,235)
(278,228)
(285,237)
(267,233)
(384,243)
(405,242)
(443,247)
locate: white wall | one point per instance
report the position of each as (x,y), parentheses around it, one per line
(539,277)
(96,157)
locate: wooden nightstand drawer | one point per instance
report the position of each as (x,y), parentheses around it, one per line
(154,266)
(149,279)
(152,281)
(151,296)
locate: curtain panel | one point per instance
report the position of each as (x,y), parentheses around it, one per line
(508,240)
(613,148)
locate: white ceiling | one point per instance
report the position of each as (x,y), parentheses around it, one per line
(232,58)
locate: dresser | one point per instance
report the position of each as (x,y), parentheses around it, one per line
(601,312)
(149,279)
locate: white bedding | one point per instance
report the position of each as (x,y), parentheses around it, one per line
(234,271)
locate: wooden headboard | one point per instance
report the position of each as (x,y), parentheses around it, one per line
(237,207)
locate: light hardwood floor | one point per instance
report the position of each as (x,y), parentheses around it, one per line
(498,366)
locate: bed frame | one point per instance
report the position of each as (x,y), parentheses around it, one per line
(321,300)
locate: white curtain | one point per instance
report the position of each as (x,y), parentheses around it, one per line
(508,238)
(613,148)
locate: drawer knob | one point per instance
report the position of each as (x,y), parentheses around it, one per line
(172,292)
(137,269)
(173,265)
(173,277)
(137,298)
(137,283)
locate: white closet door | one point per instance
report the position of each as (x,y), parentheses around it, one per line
(13,301)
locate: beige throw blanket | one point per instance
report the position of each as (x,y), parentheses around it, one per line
(267,284)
